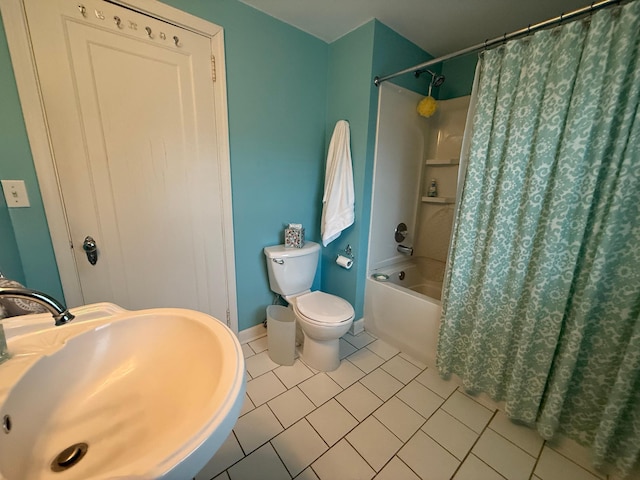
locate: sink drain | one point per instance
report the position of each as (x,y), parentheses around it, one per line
(69,457)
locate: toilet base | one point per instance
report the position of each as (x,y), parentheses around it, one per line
(323,355)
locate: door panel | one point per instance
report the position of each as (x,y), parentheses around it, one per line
(131,119)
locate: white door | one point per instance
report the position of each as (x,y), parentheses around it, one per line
(130,109)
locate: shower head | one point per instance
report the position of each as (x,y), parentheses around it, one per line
(436,80)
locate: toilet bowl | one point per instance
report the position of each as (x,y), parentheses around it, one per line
(323,318)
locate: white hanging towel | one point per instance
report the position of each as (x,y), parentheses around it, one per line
(337,203)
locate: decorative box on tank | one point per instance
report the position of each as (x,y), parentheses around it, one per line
(294,235)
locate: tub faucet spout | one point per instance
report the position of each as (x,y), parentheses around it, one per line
(405,250)
(60,313)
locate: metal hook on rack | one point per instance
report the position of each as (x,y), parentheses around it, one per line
(177,41)
(118,21)
(82,9)
(148,29)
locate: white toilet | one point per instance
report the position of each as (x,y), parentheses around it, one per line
(323,318)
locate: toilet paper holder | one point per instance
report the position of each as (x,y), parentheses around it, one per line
(344,258)
(347,252)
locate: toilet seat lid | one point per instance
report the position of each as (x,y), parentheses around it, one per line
(324,307)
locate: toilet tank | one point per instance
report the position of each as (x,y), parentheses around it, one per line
(292,270)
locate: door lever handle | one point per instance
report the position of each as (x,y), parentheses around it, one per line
(91,249)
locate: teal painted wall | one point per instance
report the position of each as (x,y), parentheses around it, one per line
(459,73)
(393,52)
(29,257)
(354,61)
(10,264)
(350,92)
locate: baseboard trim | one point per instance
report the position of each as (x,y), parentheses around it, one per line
(252,333)
(357,327)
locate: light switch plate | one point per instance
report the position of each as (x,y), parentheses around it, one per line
(15,193)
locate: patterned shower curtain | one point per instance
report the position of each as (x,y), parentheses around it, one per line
(541,303)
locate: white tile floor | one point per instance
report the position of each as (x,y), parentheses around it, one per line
(380,415)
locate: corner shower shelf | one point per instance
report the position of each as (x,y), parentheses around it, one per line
(442,163)
(445,200)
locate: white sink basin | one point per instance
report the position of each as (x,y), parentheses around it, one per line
(152,393)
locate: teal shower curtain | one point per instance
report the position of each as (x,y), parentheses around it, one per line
(541,303)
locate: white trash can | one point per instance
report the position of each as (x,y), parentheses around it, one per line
(281,334)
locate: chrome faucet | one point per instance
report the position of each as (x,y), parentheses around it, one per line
(60,313)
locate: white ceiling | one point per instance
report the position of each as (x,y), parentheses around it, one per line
(437,26)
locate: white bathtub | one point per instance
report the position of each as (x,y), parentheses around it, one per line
(406,313)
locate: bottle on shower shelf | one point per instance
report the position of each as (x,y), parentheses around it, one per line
(433,189)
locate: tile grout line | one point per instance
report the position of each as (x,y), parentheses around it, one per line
(467,426)
(400,380)
(514,443)
(372,414)
(439,407)
(535,464)
(473,445)
(312,427)
(495,412)
(316,407)
(237,461)
(406,464)
(419,428)
(597,475)
(268,441)
(309,398)
(329,447)
(360,455)
(401,441)
(359,422)
(489,466)
(264,443)
(544,443)
(280,458)
(378,396)
(412,363)
(411,438)
(244,454)
(287,389)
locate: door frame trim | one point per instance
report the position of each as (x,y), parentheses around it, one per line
(23,61)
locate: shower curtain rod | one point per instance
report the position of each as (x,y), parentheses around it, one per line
(503,38)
